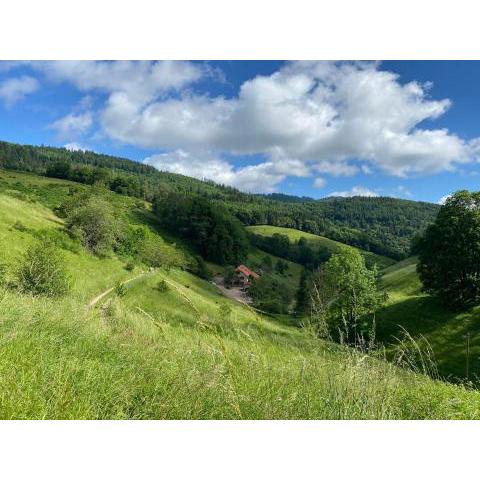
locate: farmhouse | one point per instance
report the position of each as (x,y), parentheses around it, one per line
(244,275)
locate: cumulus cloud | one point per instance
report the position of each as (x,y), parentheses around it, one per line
(72,125)
(319,182)
(307,118)
(357,191)
(444,199)
(204,165)
(142,81)
(320,114)
(74,147)
(15,89)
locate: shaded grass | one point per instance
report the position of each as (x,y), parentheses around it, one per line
(423,316)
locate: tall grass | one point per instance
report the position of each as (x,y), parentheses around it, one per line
(60,360)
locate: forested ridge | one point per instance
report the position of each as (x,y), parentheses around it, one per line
(381,225)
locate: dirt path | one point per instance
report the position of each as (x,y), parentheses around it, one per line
(235,293)
(106,292)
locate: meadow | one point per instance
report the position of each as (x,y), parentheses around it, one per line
(319,242)
(169,346)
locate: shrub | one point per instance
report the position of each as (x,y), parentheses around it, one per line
(129,266)
(202,269)
(18,225)
(162,286)
(228,276)
(120,289)
(41,271)
(95,224)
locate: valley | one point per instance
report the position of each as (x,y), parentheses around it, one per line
(169,344)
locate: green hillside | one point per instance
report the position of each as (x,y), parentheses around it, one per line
(429,322)
(382,225)
(176,349)
(317,241)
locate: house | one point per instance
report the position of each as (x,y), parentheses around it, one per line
(244,275)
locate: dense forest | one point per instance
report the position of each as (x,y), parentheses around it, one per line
(210,229)
(381,225)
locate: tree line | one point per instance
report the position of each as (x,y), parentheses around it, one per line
(381,225)
(298,251)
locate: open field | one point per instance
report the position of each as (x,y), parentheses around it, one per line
(317,241)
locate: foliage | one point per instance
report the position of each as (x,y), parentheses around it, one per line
(162,286)
(20,226)
(120,289)
(42,271)
(346,296)
(302,299)
(202,269)
(228,276)
(153,252)
(268,294)
(449,259)
(130,266)
(381,225)
(95,225)
(304,248)
(57,237)
(281,266)
(298,251)
(210,229)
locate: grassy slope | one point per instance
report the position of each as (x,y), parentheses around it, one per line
(422,315)
(317,241)
(178,354)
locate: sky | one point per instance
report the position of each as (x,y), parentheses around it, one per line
(406,129)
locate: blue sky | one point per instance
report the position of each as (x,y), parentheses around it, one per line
(407,129)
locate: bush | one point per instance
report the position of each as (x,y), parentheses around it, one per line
(202,269)
(18,225)
(162,286)
(42,271)
(94,223)
(120,289)
(129,266)
(228,276)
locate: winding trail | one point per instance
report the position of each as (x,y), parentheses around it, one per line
(106,292)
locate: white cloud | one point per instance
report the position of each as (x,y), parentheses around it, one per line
(74,147)
(73,125)
(357,191)
(444,199)
(306,118)
(321,114)
(15,89)
(142,81)
(336,169)
(204,165)
(319,182)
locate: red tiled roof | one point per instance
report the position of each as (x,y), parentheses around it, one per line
(246,271)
